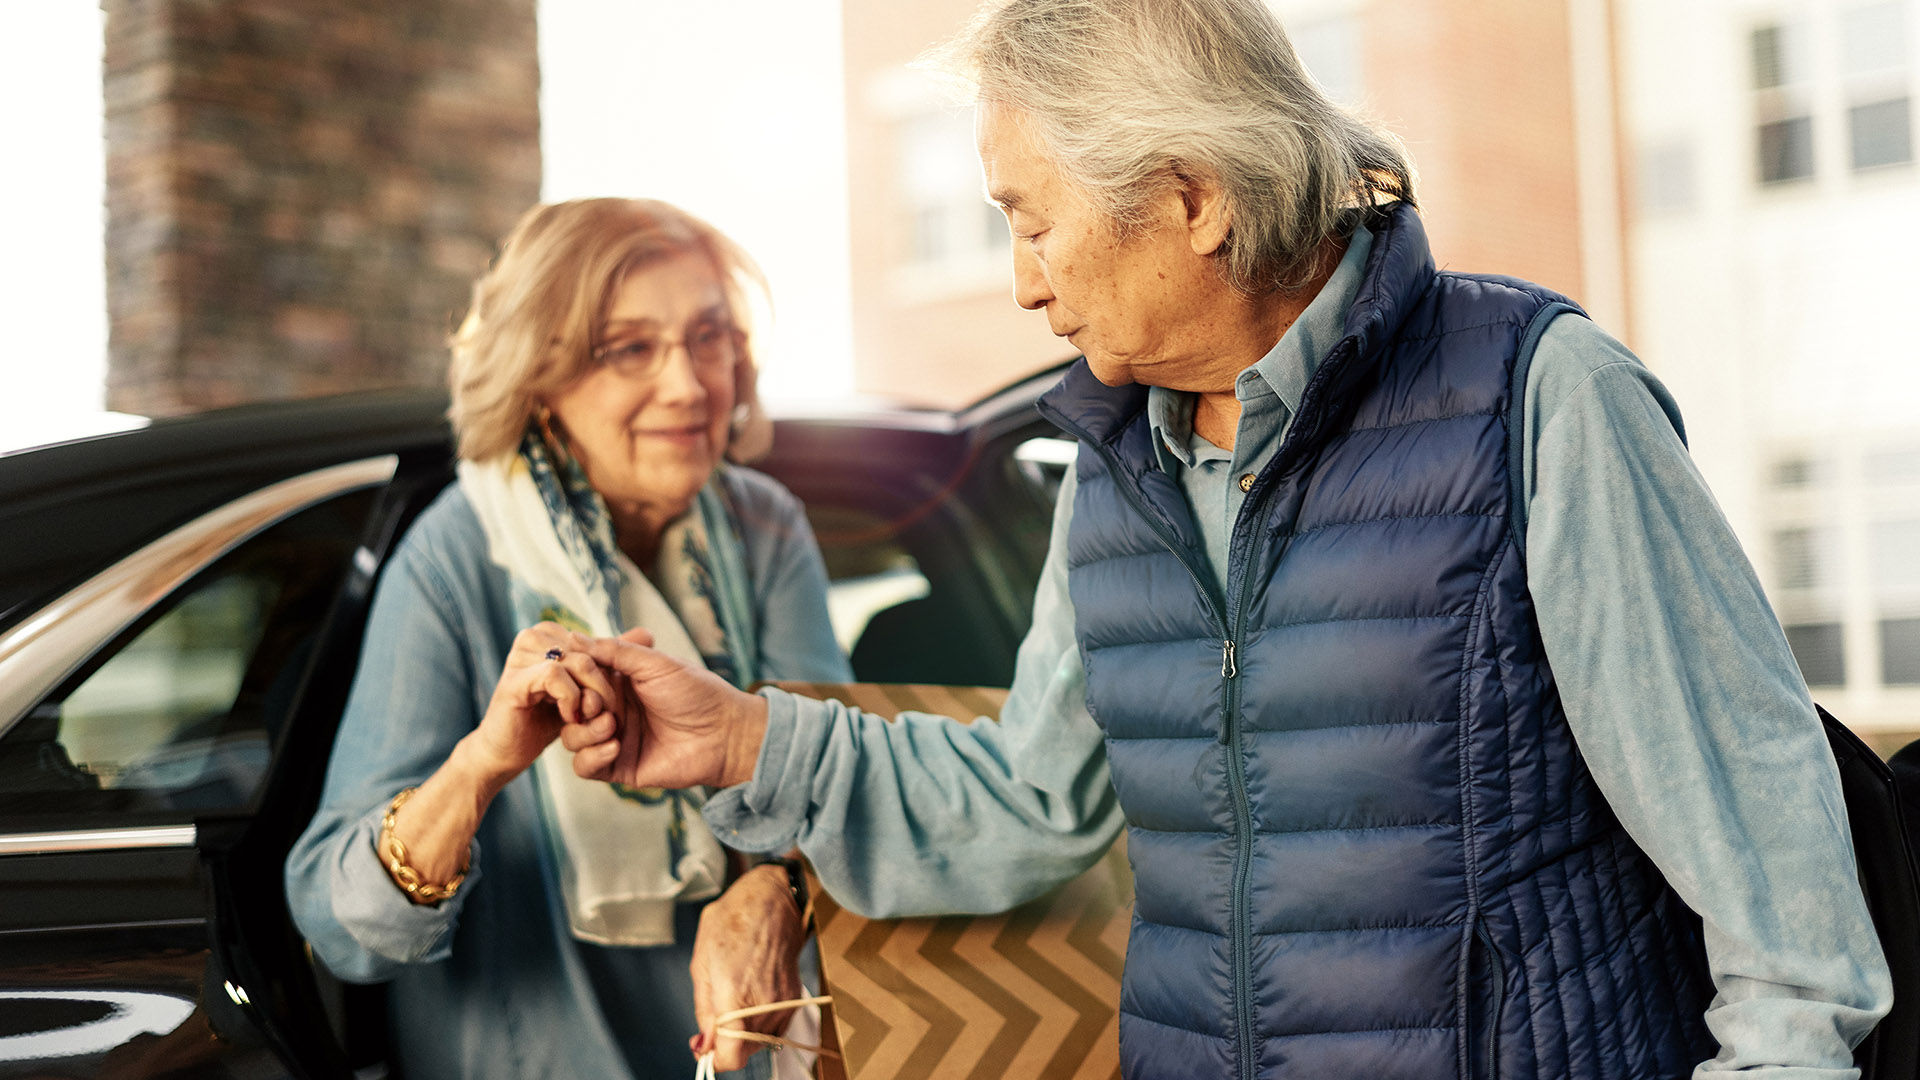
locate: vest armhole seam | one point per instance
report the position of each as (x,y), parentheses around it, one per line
(1516,420)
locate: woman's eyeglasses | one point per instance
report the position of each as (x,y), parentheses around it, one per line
(709,344)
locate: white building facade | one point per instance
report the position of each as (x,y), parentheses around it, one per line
(1773,270)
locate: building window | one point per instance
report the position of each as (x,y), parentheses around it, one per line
(1892,550)
(1786,149)
(1804,558)
(1818,647)
(1798,472)
(1900,652)
(1844,569)
(1782,103)
(1881,134)
(1874,62)
(949,223)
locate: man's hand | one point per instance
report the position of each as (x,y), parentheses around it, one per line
(678,725)
(746,954)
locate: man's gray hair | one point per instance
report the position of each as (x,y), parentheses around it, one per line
(1129,96)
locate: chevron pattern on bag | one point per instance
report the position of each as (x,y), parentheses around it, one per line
(1031,993)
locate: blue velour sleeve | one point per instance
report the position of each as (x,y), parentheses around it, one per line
(1690,712)
(927,814)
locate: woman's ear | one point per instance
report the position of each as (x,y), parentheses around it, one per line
(552,433)
(750,433)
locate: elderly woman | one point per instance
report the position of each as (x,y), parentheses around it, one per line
(532,923)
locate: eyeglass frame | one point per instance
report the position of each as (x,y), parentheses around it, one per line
(730,338)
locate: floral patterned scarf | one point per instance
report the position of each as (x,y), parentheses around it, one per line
(624,856)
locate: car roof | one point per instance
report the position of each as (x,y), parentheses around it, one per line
(67,508)
(332,427)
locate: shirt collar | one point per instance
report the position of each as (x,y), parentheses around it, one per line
(1284,371)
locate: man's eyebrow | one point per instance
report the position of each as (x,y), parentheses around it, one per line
(1005,200)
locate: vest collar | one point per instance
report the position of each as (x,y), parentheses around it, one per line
(1399,271)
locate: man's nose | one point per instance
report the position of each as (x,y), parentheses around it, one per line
(1030,288)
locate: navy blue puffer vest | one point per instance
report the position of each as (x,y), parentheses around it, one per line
(1364,843)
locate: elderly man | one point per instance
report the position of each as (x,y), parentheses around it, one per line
(1451,730)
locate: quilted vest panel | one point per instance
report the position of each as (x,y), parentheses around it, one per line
(1364,842)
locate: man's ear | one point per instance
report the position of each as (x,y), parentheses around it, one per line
(1204,206)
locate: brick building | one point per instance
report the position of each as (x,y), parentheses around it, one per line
(298,199)
(931,280)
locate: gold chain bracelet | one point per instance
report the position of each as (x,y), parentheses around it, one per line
(394,854)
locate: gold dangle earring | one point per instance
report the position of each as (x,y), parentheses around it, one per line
(550,434)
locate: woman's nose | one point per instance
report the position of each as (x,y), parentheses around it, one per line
(679,376)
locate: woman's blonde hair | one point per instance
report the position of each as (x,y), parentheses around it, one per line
(531,328)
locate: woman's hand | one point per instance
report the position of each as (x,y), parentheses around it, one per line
(533,700)
(746,953)
(537,695)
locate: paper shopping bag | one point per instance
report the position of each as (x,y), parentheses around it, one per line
(1032,993)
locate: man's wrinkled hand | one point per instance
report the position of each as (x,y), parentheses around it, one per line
(678,725)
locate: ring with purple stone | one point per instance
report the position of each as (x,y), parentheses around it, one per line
(554,654)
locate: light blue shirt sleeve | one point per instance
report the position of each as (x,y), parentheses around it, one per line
(1690,712)
(928,816)
(412,700)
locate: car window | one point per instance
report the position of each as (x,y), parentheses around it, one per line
(853,602)
(1045,460)
(910,594)
(180,712)
(868,570)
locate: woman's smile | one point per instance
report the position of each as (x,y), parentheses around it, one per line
(691,435)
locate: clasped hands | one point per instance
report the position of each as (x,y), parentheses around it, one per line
(630,715)
(634,716)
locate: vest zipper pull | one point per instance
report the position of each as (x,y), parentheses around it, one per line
(1227,668)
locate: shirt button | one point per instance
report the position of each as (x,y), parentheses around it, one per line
(1246,482)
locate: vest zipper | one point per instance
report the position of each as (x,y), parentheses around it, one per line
(1243,811)
(1229,736)
(1242,867)
(1283,463)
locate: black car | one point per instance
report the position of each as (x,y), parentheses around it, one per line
(180,616)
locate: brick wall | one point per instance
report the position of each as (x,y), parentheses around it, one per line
(299,193)
(1483,96)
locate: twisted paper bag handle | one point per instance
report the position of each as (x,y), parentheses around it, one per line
(704,1070)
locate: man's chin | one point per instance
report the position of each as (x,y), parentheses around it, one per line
(1108,372)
